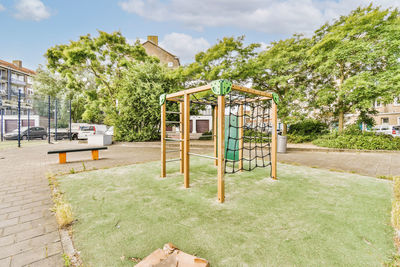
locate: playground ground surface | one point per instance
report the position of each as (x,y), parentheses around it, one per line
(309,217)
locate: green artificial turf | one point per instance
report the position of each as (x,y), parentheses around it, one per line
(310,217)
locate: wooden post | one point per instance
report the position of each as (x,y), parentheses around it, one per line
(221,148)
(274,140)
(181,133)
(214,132)
(163,141)
(240,136)
(186,138)
(95,154)
(62,158)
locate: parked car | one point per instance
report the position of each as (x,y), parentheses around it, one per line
(88,130)
(34,133)
(393,130)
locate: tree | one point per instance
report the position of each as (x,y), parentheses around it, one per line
(137,117)
(355,61)
(225,60)
(281,69)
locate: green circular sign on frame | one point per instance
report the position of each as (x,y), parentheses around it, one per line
(275,97)
(221,87)
(163,97)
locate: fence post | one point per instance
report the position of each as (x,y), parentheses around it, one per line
(29,122)
(19,117)
(48,137)
(2,130)
(55,118)
(70,121)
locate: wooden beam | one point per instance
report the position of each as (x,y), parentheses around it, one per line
(274,140)
(240,136)
(250,90)
(186,138)
(214,132)
(221,148)
(181,133)
(189,91)
(163,141)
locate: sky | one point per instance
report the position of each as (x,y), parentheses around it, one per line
(184,27)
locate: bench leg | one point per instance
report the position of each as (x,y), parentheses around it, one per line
(62,157)
(95,154)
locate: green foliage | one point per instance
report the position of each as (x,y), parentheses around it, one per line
(366,140)
(306,130)
(355,61)
(137,116)
(281,69)
(205,137)
(308,127)
(253,136)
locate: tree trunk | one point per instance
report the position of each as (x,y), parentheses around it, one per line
(284,129)
(341,121)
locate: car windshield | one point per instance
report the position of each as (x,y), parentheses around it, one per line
(22,129)
(397,128)
(87,128)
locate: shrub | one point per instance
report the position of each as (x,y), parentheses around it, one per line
(308,127)
(206,136)
(368,141)
(294,138)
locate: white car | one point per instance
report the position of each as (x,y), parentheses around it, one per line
(393,130)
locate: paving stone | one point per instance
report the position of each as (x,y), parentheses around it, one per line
(7,240)
(5,262)
(31,217)
(36,254)
(9,209)
(8,222)
(38,231)
(16,228)
(19,213)
(55,260)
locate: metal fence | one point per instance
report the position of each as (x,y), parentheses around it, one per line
(35,117)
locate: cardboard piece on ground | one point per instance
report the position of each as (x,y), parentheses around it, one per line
(171,256)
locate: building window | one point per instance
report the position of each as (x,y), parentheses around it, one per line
(30,80)
(170,64)
(385,121)
(13,76)
(378,103)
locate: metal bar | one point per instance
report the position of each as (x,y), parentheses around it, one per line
(2,120)
(173,112)
(19,117)
(55,117)
(29,122)
(174,139)
(172,122)
(70,121)
(171,160)
(48,130)
(202,156)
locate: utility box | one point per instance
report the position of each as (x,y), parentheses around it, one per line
(282,144)
(100,140)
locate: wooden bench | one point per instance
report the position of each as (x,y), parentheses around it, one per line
(62,153)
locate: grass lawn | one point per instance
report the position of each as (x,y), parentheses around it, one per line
(310,217)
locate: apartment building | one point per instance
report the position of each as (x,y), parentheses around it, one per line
(388,114)
(153,49)
(14,77)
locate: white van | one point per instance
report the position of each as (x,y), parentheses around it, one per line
(91,129)
(393,130)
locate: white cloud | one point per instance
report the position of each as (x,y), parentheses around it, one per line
(184,46)
(2,8)
(269,16)
(31,10)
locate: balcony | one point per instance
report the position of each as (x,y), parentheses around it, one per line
(18,82)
